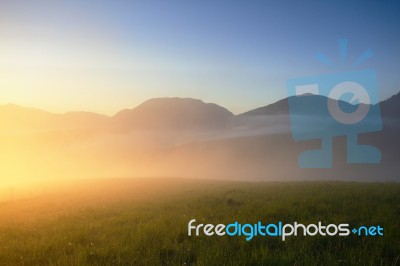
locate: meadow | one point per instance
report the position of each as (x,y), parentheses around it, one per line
(144,222)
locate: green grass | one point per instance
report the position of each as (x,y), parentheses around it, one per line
(146,224)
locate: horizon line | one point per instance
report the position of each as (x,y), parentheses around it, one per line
(103,114)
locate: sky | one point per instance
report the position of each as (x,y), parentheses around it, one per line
(104,56)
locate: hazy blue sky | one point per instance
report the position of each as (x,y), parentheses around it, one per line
(107,55)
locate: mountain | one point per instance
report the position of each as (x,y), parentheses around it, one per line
(182,138)
(154,114)
(168,114)
(311,106)
(173,114)
(391,107)
(80,121)
(17,118)
(277,108)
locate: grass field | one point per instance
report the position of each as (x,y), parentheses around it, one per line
(144,222)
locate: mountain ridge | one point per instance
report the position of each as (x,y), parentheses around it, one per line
(158,113)
(248,148)
(394,98)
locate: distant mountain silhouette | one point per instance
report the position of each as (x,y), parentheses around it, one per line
(173,113)
(17,118)
(16,112)
(80,120)
(183,137)
(14,117)
(276,108)
(391,107)
(281,107)
(163,113)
